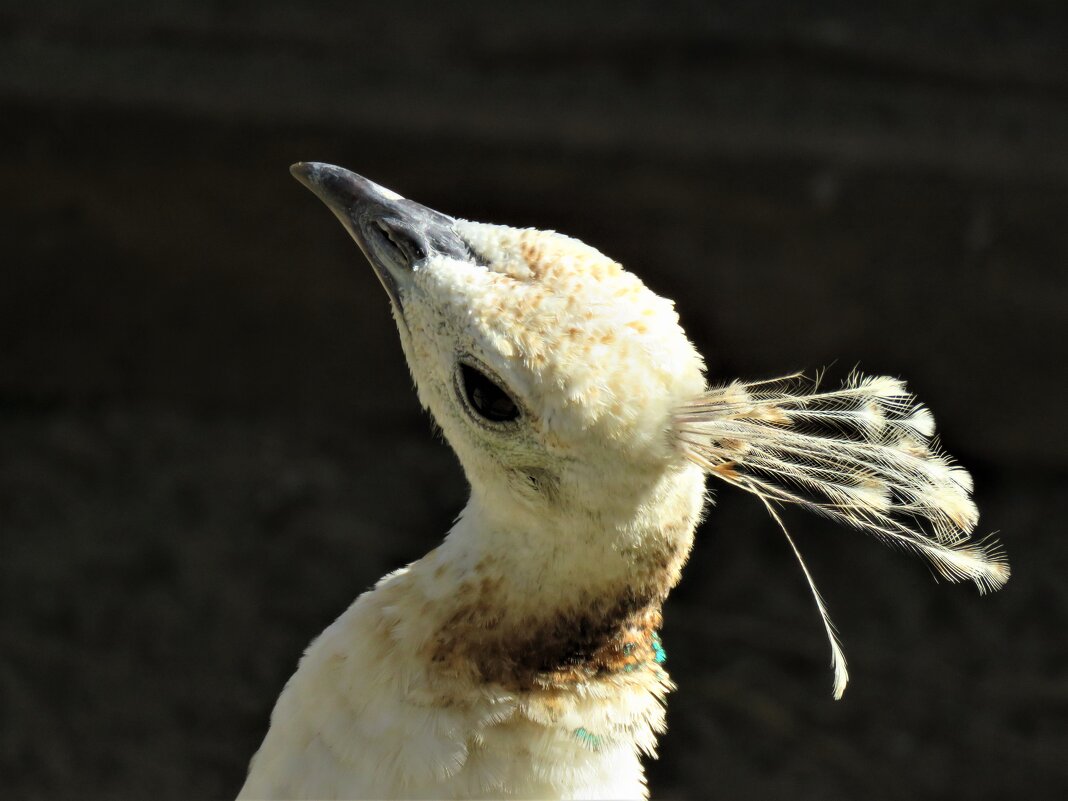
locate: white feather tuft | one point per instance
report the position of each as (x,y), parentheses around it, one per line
(838,660)
(862,455)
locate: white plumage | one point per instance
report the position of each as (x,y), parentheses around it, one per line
(520,658)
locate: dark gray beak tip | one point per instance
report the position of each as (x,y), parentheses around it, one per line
(341,189)
(302,171)
(316,175)
(394,234)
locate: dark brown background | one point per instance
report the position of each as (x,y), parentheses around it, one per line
(208,439)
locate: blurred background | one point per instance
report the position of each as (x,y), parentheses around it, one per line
(209,444)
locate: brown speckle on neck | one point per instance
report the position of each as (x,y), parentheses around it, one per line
(583,639)
(567,646)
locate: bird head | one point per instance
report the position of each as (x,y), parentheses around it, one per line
(552,371)
(571,394)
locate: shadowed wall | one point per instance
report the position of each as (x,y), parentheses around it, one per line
(209,443)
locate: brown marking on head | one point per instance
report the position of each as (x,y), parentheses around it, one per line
(531,251)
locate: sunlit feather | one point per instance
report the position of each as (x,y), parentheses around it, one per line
(862,455)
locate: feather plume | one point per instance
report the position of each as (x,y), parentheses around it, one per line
(863,454)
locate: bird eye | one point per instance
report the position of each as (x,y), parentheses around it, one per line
(485,397)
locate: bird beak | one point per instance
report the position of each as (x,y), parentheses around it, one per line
(396,235)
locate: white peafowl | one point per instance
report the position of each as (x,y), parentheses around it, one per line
(520,658)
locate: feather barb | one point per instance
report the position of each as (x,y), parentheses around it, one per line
(863,455)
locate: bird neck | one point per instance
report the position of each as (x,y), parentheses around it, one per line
(530,603)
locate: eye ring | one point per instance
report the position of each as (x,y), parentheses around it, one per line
(484,396)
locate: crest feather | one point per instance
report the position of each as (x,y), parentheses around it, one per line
(863,454)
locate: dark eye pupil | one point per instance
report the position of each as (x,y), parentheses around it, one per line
(486,398)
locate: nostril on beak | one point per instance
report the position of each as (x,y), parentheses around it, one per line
(407,244)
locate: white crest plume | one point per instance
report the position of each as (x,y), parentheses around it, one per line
(863,454)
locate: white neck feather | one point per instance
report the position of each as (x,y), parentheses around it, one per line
(514,660)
